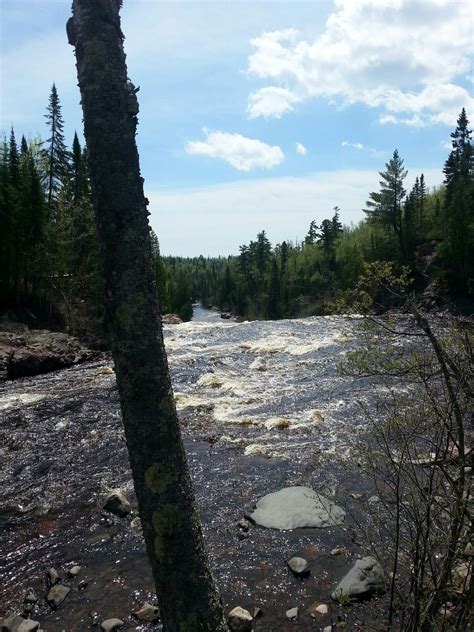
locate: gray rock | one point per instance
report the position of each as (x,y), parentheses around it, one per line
(11,623)
(117,503)
(74,570)
(328,628)
(340,550)
(294,507)
(57,595)
(292,613)
(30,596)
(28,625)
(239,620)
(298,566)
(365,579)
(147,612)
(111,624)
(373,500)
(244,524)
(53,576)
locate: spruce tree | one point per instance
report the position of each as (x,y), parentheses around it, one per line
(55,152)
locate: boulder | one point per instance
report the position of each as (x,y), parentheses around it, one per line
(171,319)
(16,623)
(57,595)
(147,612)
(111,624)
(38,351)
(295,507)
(239,620)
(117,503)
(298,566)
(365,579)
(292,613)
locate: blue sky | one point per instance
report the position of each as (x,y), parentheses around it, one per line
(260,115)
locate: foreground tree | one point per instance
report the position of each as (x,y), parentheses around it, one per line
(189,599)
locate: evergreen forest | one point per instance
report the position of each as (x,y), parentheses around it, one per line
(49,258)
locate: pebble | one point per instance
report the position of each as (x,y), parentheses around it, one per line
(74,570)
(356,496)
(298,566)
(292,613)
(53,576)
(111,624)
(341,550)
(373,500)
(57,595)
(244,524)
(240,620)
(328,628)
(147,612)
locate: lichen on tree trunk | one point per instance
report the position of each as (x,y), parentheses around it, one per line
(189,599)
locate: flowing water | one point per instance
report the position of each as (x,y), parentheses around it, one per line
(262,406)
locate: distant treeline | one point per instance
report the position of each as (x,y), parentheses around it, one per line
(49,256)
(430,231)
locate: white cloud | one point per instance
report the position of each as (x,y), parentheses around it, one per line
(215,219)
(398,55)
(239,151)
(358,146)
(446,144)
(301,149)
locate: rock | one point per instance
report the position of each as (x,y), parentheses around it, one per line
(461,576)
(356,496)
(147,612)
(244,524)
(257,613)
(468,550)
(225,315)
(117,503)
(298,566)
(53,576)
(111,624)
(340,550)
(239,620)
(292,613)
(136,524)
(365,579)
(57,595)
(322,609)
(28,625)
(38,351)
(295,507)
(318,609)
(82,585)
(328,628)
(171,319)
(15,623)
(30,596)
(74,570)
(373,500)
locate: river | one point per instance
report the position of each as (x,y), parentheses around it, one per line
(261,405)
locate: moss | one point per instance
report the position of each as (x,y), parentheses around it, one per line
(166,522)
(159,478)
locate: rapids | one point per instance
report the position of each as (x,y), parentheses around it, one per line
(261,405)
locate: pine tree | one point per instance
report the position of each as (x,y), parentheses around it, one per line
(56,153)
(384,208)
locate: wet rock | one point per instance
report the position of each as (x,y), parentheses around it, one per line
(28,625)
(147,612)
(356,496)
(98,539)
(30,596)
(292,613)
(257,613)
(82,585)
(11,623)
(240,620)
(74,570)
(136,524)
(171,319)
(53,576)
(468,550)
(340,550)
(36,351)
(111,624)
(298,566)
(244,524)
(57,595)
(117,503)
(328,628)
(365,579)
(294,507)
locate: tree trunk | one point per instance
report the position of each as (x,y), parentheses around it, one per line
(189,599)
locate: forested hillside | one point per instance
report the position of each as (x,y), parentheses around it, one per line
(49,253)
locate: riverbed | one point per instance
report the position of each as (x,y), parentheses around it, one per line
(262,406)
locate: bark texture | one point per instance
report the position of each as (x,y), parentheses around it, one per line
(189,599)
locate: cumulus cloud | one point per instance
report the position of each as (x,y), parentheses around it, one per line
(301,149)
(239,151)
(401,56)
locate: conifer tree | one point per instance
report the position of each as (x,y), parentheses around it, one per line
(55,151)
